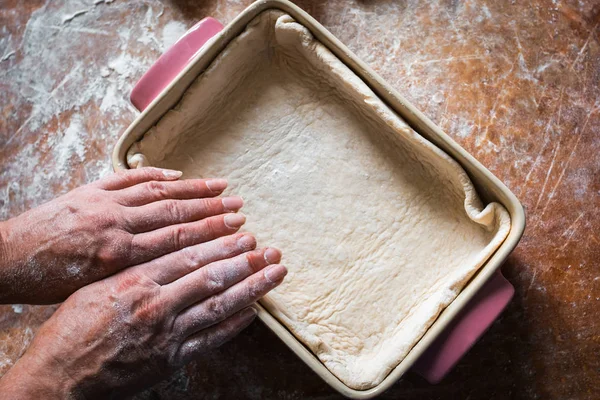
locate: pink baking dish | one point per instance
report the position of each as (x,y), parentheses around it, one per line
(481,301)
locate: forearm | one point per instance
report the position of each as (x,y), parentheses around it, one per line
(30,379)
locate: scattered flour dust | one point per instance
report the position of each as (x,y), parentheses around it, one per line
(17,308)
(91,86)
(71,143)
(172,31)
(73,270)
(16,345)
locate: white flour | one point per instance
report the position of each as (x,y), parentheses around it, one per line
(172,31)
(70,145)
(79,99)
(17,308)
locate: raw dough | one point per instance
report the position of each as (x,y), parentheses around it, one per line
(379,228)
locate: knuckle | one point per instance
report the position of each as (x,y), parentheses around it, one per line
(157,189)
(128,281)
(214,281)
(178,237)
(211,226)
(216,308)
(189,186)
(106,219)
(125,220)
(149,310)
(144,296)
(253,291)
(172,208)
(95,196)
(207,206)
(108,256)
(191,258)
(138,295)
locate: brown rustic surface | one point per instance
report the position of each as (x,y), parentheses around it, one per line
(514,83)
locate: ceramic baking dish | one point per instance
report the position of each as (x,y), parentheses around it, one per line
(479,303)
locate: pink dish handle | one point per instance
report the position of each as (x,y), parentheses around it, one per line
(468,326)
(166,68)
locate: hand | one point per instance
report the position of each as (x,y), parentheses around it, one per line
(98,229)
(123,333)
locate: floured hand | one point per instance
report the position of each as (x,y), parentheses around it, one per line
(123,333)
(98,229)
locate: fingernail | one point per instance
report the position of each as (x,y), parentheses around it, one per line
(248,313)
(216,185)
(275,273)
(171,173)
(272,255)
(234,221)
(246,242)
(232,203)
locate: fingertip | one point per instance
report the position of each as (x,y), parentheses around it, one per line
(216,185)
(246,241)
(272,255)
(126,178)
(234,221)
(232,203)
(275,273)
(248,313)
(171,174)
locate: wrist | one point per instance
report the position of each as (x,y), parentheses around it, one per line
(4,248)
(9,278)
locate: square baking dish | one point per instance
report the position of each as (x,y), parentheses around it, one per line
(162,88)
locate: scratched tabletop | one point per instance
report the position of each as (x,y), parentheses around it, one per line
(515,83)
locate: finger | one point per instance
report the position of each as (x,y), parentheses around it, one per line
(129,177)
(218,276)
(215,336)
(148,192)
(149,245)
(220,306)
(171,267)
(171,212)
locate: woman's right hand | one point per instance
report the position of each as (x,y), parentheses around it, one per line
(125,332)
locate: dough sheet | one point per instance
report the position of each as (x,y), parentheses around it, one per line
(380,229)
